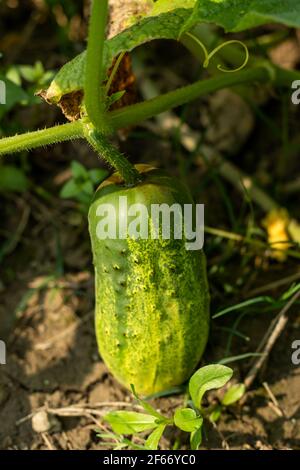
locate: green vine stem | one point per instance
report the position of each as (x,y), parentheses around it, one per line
(31,140)
(94,96)
(114,72)
(111,155)
(285,77)
(134,114)
(131,115)
(97,125)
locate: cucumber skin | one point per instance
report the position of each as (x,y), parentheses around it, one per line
(152,296)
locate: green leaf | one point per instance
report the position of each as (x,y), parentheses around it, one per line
(154,438)
(147,407)
(97,175)
(290,292)
(208,378)
(114,98)
(196,439)
(130,422)
(10,95)
(239,15)
(12,179)
(32,73)
(234,394)
(79,171)
(13,74)
(215,414)
(166,26)
(69,190)
(85,201)
(168,20)
(87,188)
(163,6)
(187,420)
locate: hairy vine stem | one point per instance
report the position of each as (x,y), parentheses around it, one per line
(93,91)
(134,114)
(31,140)
(111,155)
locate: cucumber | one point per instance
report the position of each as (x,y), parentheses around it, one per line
(152,296)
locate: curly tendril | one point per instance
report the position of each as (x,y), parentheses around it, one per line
(209,55)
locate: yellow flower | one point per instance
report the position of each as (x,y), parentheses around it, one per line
(276,223)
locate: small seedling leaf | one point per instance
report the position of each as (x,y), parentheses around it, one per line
(12,179)
(10,95)
(70,190)
(187,419)
(78,170)
(154,438)
(208,378)
(234,394)
(130,422)
(147,407)
(87,188)
(215,414)
(196,439)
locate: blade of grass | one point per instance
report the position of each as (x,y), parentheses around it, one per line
(240,357)
(246,303)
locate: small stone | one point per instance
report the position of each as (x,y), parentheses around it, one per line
(247,447)
(45,422)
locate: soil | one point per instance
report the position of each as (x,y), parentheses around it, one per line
(47,299)
(46,319)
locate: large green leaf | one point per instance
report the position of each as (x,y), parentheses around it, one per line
(166,26)
(239,15)
(168,20)
(162,6)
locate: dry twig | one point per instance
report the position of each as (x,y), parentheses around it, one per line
(270,338)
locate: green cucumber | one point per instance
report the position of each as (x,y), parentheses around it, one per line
(152,297)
